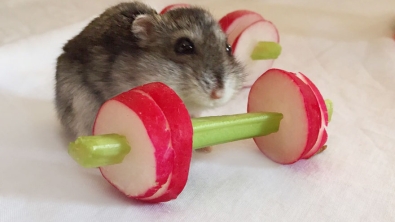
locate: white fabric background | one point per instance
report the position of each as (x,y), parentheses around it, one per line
(344,47)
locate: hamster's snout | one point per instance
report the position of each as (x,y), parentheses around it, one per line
(217,93)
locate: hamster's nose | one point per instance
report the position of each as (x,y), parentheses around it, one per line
(217,93)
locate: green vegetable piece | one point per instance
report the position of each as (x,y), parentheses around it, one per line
(208,131)
(99,150)
(102,150)
(266,50)
(329,106)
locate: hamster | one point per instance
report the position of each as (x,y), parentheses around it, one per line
(130,44)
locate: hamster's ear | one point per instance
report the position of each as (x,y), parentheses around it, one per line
(142,28)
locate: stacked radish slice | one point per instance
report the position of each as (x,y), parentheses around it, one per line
(143,140)
(156,168)
(303,130)
(254,41)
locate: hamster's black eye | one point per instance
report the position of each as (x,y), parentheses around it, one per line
(184,46)
(229,49)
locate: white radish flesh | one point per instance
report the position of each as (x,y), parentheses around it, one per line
(235,22)
(245,44)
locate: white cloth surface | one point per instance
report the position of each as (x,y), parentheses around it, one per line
(353,180)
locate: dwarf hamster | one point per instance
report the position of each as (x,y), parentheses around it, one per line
(130,44)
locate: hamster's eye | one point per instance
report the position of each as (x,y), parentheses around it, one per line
(184,46)
(229,49)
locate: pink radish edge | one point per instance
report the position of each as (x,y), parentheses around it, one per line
(181,137)
(317,92)
(323,135)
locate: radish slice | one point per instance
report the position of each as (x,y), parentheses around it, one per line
(322,139)
(173,6)
(235,22)
(245,44)
(317,93)
(280,91)
(322,135)
(181,136)
(146,168)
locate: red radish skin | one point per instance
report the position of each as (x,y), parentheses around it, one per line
(246,42)
(280,91)
(317,93)
(160,193)
(173,6)
(322,136)
(322,139)
(181,136)
(235,22)
(148,165)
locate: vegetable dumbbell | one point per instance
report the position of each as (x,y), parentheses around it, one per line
(154,165)
(143,138)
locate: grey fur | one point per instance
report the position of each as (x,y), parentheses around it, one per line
(113,54)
